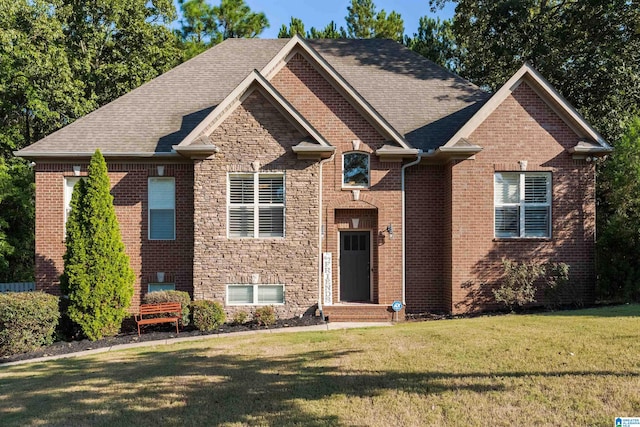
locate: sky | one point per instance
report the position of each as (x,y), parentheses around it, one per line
(318,13)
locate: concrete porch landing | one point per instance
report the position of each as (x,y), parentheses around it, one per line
(360,312)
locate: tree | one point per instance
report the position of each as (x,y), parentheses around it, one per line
(40,93)
(589,50)
(204,26)
(331,31)
(363,22)
(295,27)
(97,276)
(115,46)
(199,28)
(236,20)
(16,221)
(619,223)
(435,41)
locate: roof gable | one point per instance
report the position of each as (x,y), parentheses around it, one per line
(547,93)
(299,45)
(198,143)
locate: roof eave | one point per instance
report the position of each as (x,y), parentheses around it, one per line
(308,152)
(396,154)
(87,155)
(578,152)
(445,154)
(196,151)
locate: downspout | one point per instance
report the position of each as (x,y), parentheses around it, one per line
(322,162)
(404,232)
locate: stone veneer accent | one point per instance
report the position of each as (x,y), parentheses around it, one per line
(257,131)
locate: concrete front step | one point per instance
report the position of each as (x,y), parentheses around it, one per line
(360,313)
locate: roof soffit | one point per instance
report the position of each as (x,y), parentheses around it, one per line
(298,45)
(547,93)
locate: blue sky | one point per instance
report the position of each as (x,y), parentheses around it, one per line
(318,13)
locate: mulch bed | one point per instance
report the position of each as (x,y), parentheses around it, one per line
(152,333)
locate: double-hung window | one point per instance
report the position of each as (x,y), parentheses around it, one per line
(162,208)
(522,203)
(256,205)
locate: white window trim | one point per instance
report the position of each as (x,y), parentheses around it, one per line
(67,200)
(175,211)
(521,204)
(356,187)
(255,294)
(256,205)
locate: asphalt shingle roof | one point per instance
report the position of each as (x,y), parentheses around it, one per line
(421,100)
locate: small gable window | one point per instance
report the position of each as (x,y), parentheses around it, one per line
(522,204)
(355,170)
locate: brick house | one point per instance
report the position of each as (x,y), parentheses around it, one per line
(342,175)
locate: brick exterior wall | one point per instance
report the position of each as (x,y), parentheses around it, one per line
(452,257)
(378,206)
(523,127)
(426,239)
(257,131)
(129,188)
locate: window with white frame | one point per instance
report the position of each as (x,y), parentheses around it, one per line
(255,294)
(157,287)
(69,183)
(162,208)
(256,205)
(522,203)
(355,170)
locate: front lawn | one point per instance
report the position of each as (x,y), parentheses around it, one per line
(568,368)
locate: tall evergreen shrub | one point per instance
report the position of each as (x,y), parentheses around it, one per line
(97,276)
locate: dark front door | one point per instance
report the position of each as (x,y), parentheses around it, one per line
(355,256)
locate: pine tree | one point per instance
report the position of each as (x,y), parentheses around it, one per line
(97,278)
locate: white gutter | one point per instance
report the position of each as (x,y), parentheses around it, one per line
(404,232)
(322,162)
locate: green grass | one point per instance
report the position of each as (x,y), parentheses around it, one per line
(568,368)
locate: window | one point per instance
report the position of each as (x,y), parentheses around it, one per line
(255,294)
(355,170)
(162,212)
(156,287)
(69,183)
(522,204)
(256,205)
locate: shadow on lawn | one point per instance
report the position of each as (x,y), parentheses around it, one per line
(187,387)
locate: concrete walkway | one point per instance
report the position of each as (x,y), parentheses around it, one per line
(324,327)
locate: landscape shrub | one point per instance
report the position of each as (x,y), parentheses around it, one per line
(27,321)
(522,281)
(518,286)
(207,315)
(240,317)
(171,296)
(559,289)
(265,316)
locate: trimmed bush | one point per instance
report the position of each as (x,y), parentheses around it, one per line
(207,315)
(240,317)
(265,316)
(171,296)
(27,321)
